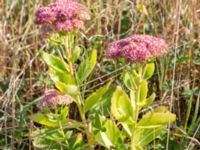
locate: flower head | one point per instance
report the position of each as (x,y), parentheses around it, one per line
(63,15)
(44,16)
(139,48)
(52,98)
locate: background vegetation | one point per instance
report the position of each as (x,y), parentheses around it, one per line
(23,77)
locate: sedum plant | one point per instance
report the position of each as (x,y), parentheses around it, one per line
(138,51)
(69,68)
(62,21)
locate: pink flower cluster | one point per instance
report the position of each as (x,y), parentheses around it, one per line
(62,15)
(137,48)
(52,98)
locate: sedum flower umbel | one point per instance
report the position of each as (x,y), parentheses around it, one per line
(62,15)
(137,48)
(53,98)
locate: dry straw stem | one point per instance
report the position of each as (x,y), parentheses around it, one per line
(19,43)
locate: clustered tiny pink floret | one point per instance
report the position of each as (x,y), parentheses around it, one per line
(137,48)
(53,98)
(62,15)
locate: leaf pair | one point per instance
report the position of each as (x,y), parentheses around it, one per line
(122,107)
(59,73)
(133,76)
(86,67)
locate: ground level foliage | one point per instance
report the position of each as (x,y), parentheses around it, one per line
(89,85)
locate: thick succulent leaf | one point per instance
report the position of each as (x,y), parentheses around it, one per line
(76,53)
(110,136)
(149,71)
(50,120)
(64,113)
(95,97)
(104,105)
(49,138)
(137,80)
(87,67)
(127,81)
(97,122)
(148,101)
(45,138)
(163,109)
(146,135)
(134,73)
(143,90)
(128,129)
(138,147)
(152,124)
(133,100)
(44,119)
(156,117)
(121,107)
(54,62)
(63,77)
(66,88)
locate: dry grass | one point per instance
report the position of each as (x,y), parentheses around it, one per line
(21,75)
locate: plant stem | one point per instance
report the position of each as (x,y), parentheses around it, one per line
(69,43)
(83,118)
(137,99)
(136,118)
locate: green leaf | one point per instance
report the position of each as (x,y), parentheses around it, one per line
(51,120)
(133,100)
(78,141)
(121,107)
(54,62)
(127,81)
(134,72)
(44,120)
(161,109)
(97,123)
(148,101)
(143,90)
(160,116)
(45,138)
(67,88)
(54,139)
(110,136)
(152,124)
(61,76)
(55,40)
(137,80)
(87,67)
(128,129)
(149,71)
(42,143)
(64,113)
(144,136)
(95,97)
(76,53)
(104,105)
(47,134)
